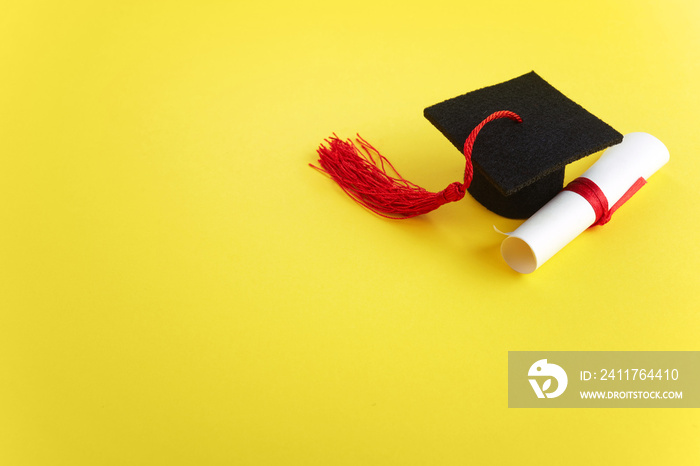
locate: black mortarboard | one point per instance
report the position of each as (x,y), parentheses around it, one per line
(518,167)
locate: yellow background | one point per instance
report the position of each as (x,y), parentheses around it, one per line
(177,286)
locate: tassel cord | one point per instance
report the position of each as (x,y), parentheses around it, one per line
(371,179)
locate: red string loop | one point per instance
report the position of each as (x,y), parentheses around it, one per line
(592,193)
(469,143)
(372,181)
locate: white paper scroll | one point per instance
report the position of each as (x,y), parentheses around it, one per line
(568,214)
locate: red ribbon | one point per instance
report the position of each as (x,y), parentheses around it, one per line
(595,197)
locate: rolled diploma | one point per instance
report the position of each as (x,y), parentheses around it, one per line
(568,214)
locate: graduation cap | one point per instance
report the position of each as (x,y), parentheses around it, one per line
(519,167)
(527,133)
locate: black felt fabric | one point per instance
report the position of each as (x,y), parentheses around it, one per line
(518,167)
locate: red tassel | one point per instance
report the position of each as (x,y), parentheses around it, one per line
(372,181)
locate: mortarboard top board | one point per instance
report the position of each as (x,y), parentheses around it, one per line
(518,167)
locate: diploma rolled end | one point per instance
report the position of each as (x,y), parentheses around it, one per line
(519,255)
